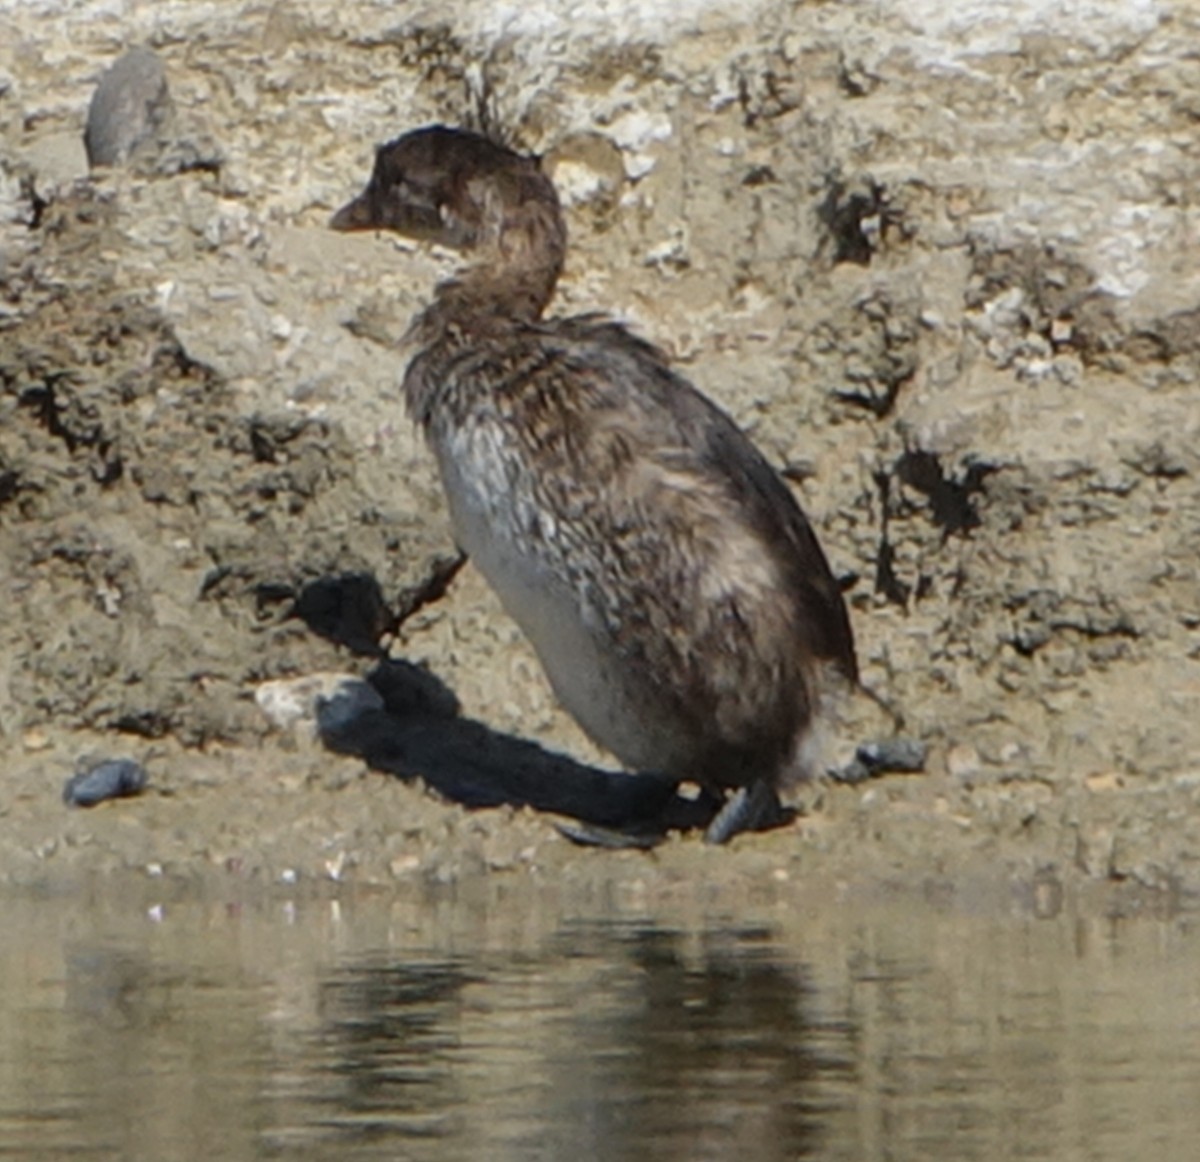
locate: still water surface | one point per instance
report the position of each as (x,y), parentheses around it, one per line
(495,1028)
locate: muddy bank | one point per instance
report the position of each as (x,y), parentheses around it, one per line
(944,269)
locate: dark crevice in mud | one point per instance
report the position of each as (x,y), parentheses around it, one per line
(173,361)
(878,404)
(10,484)
(854,78)
(269,596)
(950,505)
(205,165)
(760,175)
(951,502)
(302,458)
(862,217)
(1158,461)
(213,579)
(852,214)
(142,723)
(887,582)
(768,94)
(268,436)
(414,598)
(37,204)
(62,411)
(1042,615)
(349,609)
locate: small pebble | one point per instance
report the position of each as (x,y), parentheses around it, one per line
(335,866)
(110,779)
(35,739)
(899,755)
(962,761)
(1104,781)
(887,756)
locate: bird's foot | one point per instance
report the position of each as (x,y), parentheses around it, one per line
(593,835)
(755,807)
(752,808)
(646,820)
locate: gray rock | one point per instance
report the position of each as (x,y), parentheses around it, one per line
(898,755)
(129,108)
(108,779)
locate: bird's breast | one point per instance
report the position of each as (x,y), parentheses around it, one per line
(531,557)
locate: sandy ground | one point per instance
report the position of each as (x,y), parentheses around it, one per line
(944,268)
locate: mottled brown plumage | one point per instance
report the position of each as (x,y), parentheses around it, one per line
(673,589)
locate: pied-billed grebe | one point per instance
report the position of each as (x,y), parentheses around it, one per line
(675,593)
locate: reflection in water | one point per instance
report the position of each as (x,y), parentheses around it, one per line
(412,1031)
(617,1043)
(710,1054)
(382,1060)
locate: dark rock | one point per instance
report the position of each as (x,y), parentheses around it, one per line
(898,755)
(108,779)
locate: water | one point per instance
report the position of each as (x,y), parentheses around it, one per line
(500,1027)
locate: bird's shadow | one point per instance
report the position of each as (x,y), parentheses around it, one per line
(420,733)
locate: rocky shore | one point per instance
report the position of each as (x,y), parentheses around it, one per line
(942,263)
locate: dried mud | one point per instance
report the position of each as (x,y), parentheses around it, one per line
(947,279)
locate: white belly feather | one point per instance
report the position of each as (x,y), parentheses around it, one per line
(576,650)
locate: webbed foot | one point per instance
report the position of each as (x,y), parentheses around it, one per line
(593,835)
(755,807)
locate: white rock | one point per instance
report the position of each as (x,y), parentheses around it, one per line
(291,704)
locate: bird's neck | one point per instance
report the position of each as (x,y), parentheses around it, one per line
(514,266)
(516,259)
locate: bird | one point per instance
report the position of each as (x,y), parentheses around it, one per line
(675,593)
